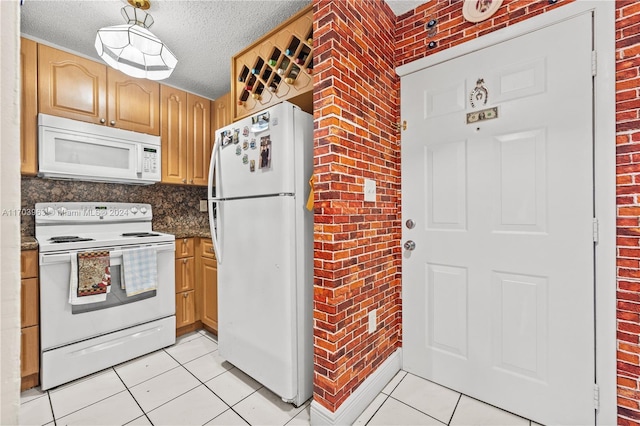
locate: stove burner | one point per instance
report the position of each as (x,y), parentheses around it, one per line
(68,239)
(140,234)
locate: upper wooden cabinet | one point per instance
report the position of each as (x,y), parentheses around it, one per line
(276,68)
(186,137)
(29,107)
(199,144)
(74,87)
(221,112)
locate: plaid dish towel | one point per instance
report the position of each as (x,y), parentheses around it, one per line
(140,270)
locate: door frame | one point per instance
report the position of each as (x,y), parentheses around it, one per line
(604,170)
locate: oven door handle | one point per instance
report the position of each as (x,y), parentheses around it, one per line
(116,255)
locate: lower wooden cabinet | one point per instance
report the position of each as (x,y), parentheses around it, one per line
(196,286)
(185,309)
(209,281)
(29,320)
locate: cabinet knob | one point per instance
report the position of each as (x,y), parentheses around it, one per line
(184,295)
(211,249)
(112,122)
(184,181)
(102,120)
(184,261)
(191,181)
(184,240)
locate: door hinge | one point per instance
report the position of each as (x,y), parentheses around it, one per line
(596,396)
(594,63)
(596,230)
(401,126)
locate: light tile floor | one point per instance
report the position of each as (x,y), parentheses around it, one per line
(190,384)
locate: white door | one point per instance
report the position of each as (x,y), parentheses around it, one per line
(498,294)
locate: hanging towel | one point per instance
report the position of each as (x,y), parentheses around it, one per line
(90,278)
(140,270)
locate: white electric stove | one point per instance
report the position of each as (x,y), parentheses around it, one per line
(77,340)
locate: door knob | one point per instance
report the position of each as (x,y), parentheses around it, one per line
(410,224)
(409,245)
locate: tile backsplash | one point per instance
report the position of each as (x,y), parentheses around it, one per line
(173,205)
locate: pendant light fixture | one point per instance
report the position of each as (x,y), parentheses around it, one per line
(132,48)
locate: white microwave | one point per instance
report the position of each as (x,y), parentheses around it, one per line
(71,149)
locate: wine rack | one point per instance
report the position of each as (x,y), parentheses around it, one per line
(277,67)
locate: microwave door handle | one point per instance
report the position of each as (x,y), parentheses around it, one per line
(139,159)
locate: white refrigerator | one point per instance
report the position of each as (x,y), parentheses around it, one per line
(263,238)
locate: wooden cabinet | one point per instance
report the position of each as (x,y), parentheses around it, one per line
(198,139)
(275,68)
(208,279)
(186,137)
(30,319)
(221,112)
(29,107)
(74,87)
(185,286)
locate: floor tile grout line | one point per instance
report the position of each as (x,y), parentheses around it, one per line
(93,403)
(426,414)
(300,410)
(454,409)
(134,399)
(51,408)
(377,409)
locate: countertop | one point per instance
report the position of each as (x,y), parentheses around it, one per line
(29,242)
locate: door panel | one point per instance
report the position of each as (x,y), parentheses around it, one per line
(498,292)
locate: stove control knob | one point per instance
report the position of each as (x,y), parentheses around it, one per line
(62,211)
(49,211)
(134,210)
(143,210)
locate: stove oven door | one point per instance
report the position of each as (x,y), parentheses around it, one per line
(63,324)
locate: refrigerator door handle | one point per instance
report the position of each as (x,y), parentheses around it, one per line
(212,166)
(212,225)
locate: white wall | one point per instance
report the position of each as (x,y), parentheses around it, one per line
(9,224)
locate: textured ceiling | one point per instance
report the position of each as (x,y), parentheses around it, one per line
(203,34)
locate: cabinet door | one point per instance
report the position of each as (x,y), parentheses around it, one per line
(222,111)
(173,112)
(70,86)
(134,103)
(185,274)
(199,137)
(185,308)
(29,107)
(209,274)
(29,351)
(29,302)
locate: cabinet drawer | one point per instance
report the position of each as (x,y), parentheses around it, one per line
(206,248)
(184,247)
(29,264)
(29,302)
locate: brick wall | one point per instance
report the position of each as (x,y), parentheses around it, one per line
(412,40)
(628,204)
(357,243)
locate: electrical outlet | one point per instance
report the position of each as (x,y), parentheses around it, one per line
(373,321)
(203,205)
(369,190)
